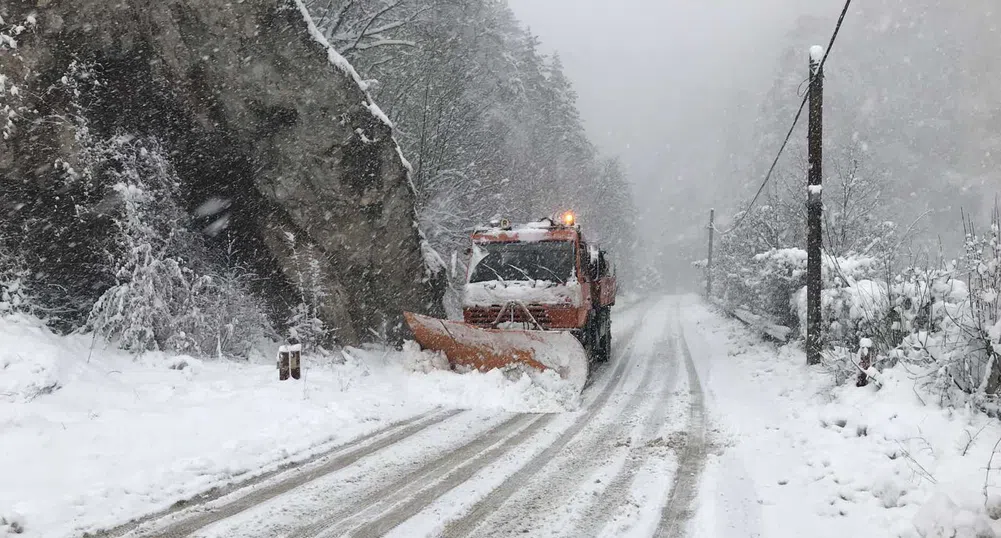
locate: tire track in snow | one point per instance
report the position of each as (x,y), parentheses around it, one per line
(342,456)
(600,510)
(412,504)
(677,512)
(550,493)
(486,506)
(221,506)
(380,514)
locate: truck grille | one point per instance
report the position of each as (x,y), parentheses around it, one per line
(484,316)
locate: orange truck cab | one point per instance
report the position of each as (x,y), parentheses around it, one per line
(541,276)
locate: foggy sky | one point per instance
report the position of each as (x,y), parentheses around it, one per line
(660,80)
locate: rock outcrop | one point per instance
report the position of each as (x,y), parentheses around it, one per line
(252,108)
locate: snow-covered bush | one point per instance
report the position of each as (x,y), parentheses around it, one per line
(949,325)
(12,106)
(983,262)
(14,296)
(152,280)
(850,311)
(11,524)
(167,296)
(223,318)
(304,325)
(975,326)
(945,321)
(941,517)
(772,284)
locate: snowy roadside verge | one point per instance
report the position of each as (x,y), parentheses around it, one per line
(91,444)
(796,456)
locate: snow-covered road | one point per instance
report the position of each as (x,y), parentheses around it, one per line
(610,468)
(695,428)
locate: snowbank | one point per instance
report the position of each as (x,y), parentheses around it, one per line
(92,443)
(797,456)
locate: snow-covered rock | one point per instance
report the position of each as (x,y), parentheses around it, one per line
(245,98)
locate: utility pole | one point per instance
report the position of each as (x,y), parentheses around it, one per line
(709,264)
(815,208)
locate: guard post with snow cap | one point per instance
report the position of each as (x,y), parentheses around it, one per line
(538,295)
(290,361)
(284,357)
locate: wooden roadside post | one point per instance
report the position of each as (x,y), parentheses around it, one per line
(815,207)
(283,363)
(295,360)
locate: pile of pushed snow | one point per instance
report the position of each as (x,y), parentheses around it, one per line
(33,361)
(423,362)
(430,380)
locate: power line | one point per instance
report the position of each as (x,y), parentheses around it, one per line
(795,121)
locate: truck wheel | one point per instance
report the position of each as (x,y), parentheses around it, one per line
(590,336)
(606,338)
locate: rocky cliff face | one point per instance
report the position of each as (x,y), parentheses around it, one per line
(252,109)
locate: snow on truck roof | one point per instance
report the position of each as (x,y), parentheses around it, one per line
(544,230)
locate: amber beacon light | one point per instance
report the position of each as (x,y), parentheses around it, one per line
(569,218)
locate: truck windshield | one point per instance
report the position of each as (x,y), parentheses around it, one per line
(544,260)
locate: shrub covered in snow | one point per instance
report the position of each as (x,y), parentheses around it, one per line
(14,297)
(940,517)
(771,283)
(11,524)
(944,320)
(167,294)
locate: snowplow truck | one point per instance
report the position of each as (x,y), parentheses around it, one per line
(536,295)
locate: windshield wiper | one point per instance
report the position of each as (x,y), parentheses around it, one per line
(522,271)
(558,279)
(502,281)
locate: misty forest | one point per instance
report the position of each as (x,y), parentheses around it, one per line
(496,267)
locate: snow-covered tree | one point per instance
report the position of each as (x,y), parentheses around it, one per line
(982,261)
(363,27)
(153,282)
(856,217)
(169,294)
(489,123)
(12,106)
(304,325)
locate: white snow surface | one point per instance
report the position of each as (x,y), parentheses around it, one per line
(528,292)
(816,53)
(796,456)
(92,443)
(529,232)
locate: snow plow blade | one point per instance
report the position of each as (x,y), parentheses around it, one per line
(486,349)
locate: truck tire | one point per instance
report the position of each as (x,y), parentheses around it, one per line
(603,351)
(606,334)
